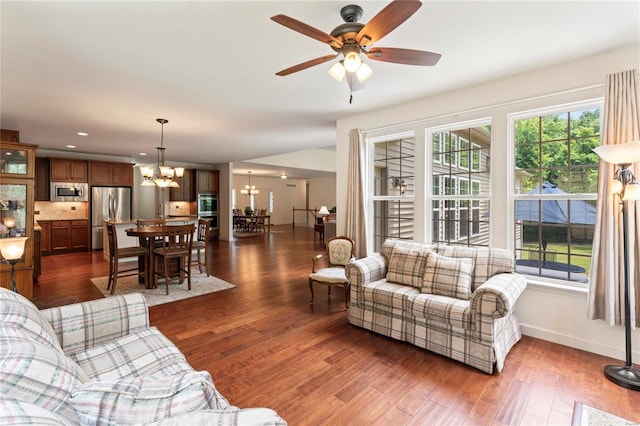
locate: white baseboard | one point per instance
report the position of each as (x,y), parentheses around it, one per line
(578,343)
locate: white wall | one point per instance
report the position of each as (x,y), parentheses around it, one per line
(287,193)
(558,315)
(322,192)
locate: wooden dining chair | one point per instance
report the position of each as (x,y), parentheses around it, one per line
(116,253)
(157,242)
(177,246)
(201,243)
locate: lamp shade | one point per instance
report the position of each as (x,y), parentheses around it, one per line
(324,211)
(632,192)
(12,248)
(624,153)
(10,222)
(337,72)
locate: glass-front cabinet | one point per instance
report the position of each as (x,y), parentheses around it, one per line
(17,167)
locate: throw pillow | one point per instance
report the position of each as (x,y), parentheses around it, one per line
(448,276)
(142,400)
(406,265)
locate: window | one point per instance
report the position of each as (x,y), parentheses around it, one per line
(393,188)
(555,190)
(460,190)
(270,201)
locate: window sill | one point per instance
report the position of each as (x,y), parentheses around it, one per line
(558,287)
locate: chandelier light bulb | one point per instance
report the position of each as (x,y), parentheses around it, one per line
(352,61)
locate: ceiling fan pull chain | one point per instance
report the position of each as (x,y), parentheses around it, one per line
(350,97)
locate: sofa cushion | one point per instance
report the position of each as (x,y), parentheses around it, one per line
(488,261)
(16,412)
(406,265)
(447,310)
(20,315)
(141,400)
(37,374)
(390,244)
(447,276)
(144,353)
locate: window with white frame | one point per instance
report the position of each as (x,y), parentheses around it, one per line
(461,181)
(555,190)
(393,188)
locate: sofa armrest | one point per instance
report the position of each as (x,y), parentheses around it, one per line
(498,295)
(365,270)
(84,325)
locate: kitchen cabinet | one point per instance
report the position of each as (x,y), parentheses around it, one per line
(45,236)
(68,170)
(69,235)
(186,191)
(207,181)
(17,176)
(42,179)
(110,174)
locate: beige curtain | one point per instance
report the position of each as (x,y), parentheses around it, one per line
(621,124)
(355,224)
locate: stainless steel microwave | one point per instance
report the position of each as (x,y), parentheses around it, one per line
(69,191)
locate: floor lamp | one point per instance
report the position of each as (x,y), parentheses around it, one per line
(626,187)
(12,250)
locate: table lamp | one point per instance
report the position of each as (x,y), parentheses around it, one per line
(12,250)
(324,211)
(625,186)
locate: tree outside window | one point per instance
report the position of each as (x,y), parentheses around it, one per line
(555,191)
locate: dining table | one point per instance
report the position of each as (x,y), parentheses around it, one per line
(147,236)
(248,223)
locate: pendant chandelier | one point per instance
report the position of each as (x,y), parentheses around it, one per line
(163,176)
(249,189)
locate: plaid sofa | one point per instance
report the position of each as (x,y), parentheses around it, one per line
(101,363)
(392,293)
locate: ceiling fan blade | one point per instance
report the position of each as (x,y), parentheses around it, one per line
(388,19)
(307,30)
(403,56)
(305,65)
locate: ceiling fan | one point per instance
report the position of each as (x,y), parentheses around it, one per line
(353,38)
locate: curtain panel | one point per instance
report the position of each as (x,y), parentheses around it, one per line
(355,222)
(621,124)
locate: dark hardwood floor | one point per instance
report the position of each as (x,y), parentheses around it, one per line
(265,345)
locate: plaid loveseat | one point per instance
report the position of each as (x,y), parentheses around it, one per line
(453,300)
(101,363)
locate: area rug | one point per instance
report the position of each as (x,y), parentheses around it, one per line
(584,415)
(200,284)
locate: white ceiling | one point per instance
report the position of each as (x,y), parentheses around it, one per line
(110,68)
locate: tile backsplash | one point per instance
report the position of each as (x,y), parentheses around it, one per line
(179,208)
(55,210)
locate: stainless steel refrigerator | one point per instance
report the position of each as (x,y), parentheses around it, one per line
(107,203)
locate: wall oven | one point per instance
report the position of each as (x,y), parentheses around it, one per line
(67,191)
(208,208)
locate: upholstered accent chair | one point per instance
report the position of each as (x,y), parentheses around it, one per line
(329,269)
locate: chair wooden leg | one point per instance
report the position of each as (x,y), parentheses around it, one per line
(199,262)
(115,276)
(311,288)
(166,273)
(346,295)
(188,269)
(110,280)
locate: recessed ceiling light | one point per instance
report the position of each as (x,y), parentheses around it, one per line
(83,134)
(71,146)
(283,176)
(143,153)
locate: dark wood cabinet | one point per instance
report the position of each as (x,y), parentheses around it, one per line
(67,170)
(110,174)
(67,235)
(187,189)
(45,236)
(79,239)
(207,181)
(42,179)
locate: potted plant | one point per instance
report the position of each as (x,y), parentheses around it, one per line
(248,211)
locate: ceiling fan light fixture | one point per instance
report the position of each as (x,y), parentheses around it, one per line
(352,61)
(337,72)
(364,72)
